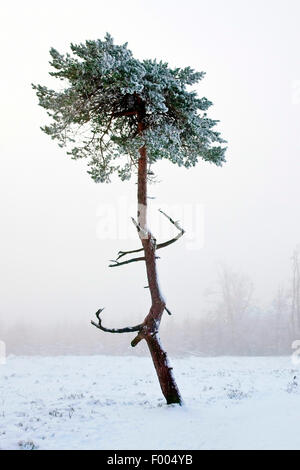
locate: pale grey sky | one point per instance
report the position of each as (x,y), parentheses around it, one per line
(52,263)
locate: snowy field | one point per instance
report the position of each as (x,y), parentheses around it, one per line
(103,402)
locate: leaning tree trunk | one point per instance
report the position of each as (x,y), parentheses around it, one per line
(150,331)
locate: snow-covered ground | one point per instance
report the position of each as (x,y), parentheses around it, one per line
(103,402)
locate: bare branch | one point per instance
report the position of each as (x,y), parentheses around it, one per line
(133,260)
(128,329)
(160,245)
(123,253)
(168,311)
(173,240)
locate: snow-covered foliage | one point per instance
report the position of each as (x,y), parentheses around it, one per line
(107,91)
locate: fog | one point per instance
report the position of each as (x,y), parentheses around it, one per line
(59,229)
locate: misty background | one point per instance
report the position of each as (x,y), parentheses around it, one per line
(232,283)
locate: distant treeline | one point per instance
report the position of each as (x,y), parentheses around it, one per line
(232,326)
(254,333)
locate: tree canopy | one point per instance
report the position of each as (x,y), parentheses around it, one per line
(107,93)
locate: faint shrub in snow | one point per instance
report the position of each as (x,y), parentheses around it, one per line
(236,394)
(222,373)
(109,402)
(145,403)
(56,413)
(27,445)
(75,396)
(292,386)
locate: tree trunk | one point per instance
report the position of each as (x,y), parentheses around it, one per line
(152,321)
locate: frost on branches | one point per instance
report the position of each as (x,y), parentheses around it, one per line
(95,115)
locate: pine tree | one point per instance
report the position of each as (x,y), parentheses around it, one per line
(122,115)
